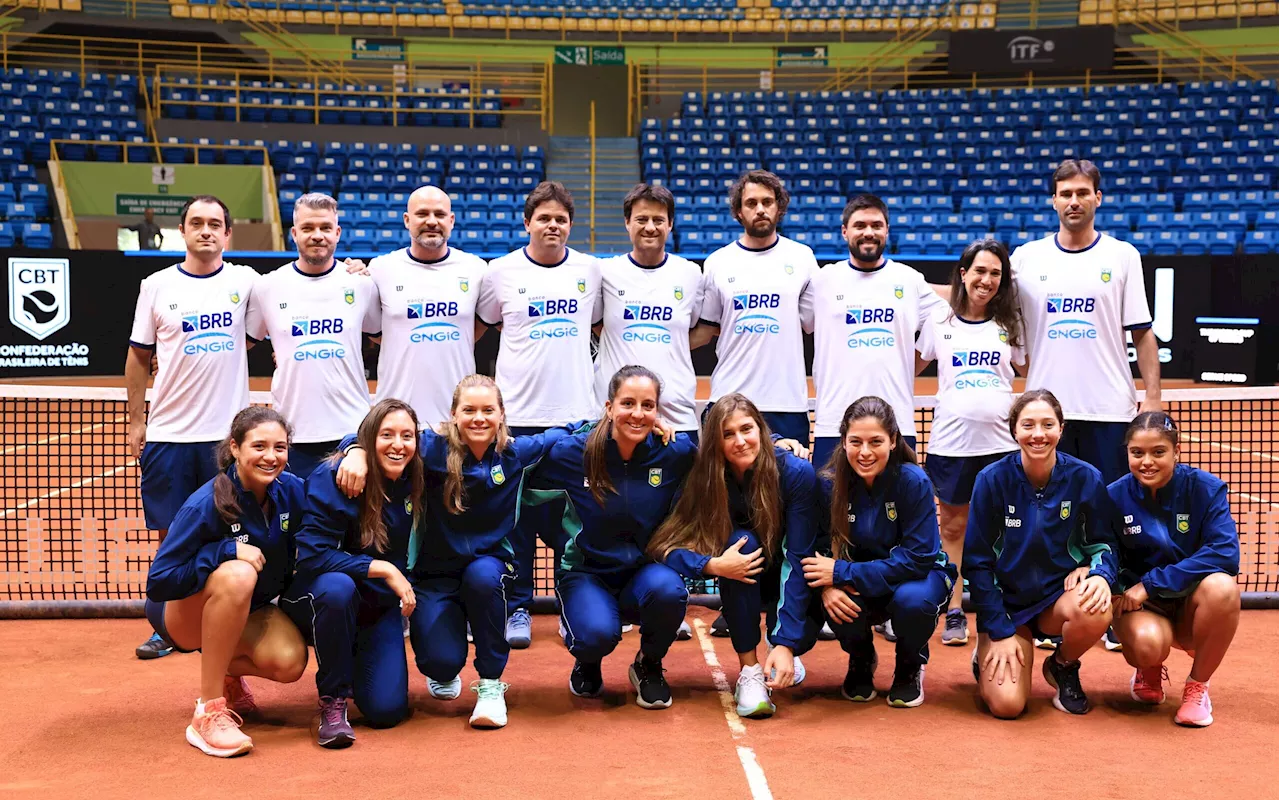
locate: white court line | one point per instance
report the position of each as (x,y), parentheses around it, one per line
(49,439)
(63,490)
(1264,501)
(755,775)
(1232,448)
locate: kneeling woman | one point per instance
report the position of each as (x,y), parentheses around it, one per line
(1178,559)
(618,481)
(351,591)
(1039,555)
(747,514)
(228,554)
(889,561)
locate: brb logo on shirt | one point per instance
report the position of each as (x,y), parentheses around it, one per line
(642,323)
(433,328)
(976,378)
(1073,328)
(869,336)
(209,334)
(757,323)
(550,322)
(317,349)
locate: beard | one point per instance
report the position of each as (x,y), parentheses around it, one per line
(318,259)
(762,228)
(864,252)
(432,240)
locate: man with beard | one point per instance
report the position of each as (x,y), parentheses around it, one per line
(1080,291)
(428,294)
(864,314)
(314,314)
(546,298)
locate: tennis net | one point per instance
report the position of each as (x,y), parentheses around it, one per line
(73,540)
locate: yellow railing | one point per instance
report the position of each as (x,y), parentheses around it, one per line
(591,136)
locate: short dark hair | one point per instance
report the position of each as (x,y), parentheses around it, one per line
(653,194)
(548,192)
(861,202)
(1073,167)
(205,198)
(761,177)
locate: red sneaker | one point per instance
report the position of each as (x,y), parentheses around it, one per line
(1197,709)
(1147,685)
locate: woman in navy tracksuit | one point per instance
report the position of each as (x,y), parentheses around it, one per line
(1040,557)
(889,562)
(1179,555)
(748,507)
(618,481)
(350,591)
(228,554)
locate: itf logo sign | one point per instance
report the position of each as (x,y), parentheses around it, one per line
(39,295)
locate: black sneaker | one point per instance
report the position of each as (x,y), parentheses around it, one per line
(720,628)
(651,687)
(974,662)
(859,682)
(1065,678)
(908,686)
(586,680)
(155,647)
(826,634)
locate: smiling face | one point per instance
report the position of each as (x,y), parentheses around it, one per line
(1038,430)
(867,446)
(478,415)
(649,226)
(205,230)
(429,218)
(396,444)
(740,438)
(982,280)
(262,456)
(549,226)
(633,409)
(1076,202)
(1152,458)
(759,211)
(316,232)
(867,234)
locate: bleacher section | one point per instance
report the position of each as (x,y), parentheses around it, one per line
(1188,169)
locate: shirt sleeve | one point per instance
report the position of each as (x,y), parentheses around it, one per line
(1219,549)
(489,301)
(979,562)
(926,343)
(699,296)
(327,515)
(533,448)
(808,297)
(918,548)
(798,531)
(192,549)
(687,563)
(712,304)
(1102,542)
(255,317)
(143,333)
(1136,313)
(930,303)
(372,322)
(597,300)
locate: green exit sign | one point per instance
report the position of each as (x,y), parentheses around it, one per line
(583,56)
(372,49)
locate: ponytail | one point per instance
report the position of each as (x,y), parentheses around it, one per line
(225,498)
(593,461)
(841,473)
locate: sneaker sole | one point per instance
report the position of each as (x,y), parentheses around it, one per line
(763,711)
(339,742)
(1137,699)
(1114,648)
(858,698)
(1048,677)
(956,641)
(720,634)
(599,692)
(150,655)
(683,635)
(640,701)
(519,643)
(1191,723)
(487,723)
(905,703)
(197,741)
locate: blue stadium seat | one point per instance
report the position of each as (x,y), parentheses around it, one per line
(1262,241)
(37,235)
(7,235)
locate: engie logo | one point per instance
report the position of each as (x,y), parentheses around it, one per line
(39,294)
(317,349)
(644,327)
(550,326)
(869,337)
(433,331)
(1071,328)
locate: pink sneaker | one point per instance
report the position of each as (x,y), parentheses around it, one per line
(238,695)
(1147,685)
(216,732)
(1197,709)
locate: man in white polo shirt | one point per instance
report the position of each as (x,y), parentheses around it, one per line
(314,314)
(192,317)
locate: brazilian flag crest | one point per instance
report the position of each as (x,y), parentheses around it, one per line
(464,284)
(1004,337)
(1184,523)
(1065,510)
(284,523)
(1106,275)
(679,292)
(496,474)
(897,292)
(408,506)
(582,285)
(235,298)
(655,476)
(891,511)
(790,269)
(349,295)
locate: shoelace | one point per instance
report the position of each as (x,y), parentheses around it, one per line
(1194,693)
(1069,680)
(489,690)
(650,670)
(224,719)
(751,677)
(333,711)
(1163,679)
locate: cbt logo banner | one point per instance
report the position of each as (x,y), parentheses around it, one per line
(39,295)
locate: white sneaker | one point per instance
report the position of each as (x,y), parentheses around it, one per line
(798,675)
(470,638)
(684,633)
(491,706)
(448,690)
(404,625)
(752,695)
(627,628)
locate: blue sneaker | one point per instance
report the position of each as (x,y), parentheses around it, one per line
(519,629)
(155,647)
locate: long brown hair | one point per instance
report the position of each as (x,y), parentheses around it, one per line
(840,472)
(1003,307)
(454,494)
(593,461)
(224,492)
(1027,398)
(701,521)
(373,531)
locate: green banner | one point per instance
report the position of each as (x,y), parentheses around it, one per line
(584,55)
(165,205)
(97,188)
(815,56)
(370,49)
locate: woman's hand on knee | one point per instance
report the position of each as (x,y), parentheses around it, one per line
(1074,578)
(736,565)
(839,605)
(1004,659)
(1094,595)
(251,555)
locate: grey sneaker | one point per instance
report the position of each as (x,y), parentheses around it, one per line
(886,630)
(519,629)
(956,630)
(335,731)
(155,647)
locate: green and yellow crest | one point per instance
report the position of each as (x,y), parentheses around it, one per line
(891,511)
(349,295)
(408,505)
(496,474)
(582,285)
(1004,337)
(464,284)
(1065,510)
(897,292)
(790,269)
(1184,523)
(655,476)
(284,523)
(1106,275)
(235,298)
(679,292)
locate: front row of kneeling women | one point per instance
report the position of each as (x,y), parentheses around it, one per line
(415,523)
